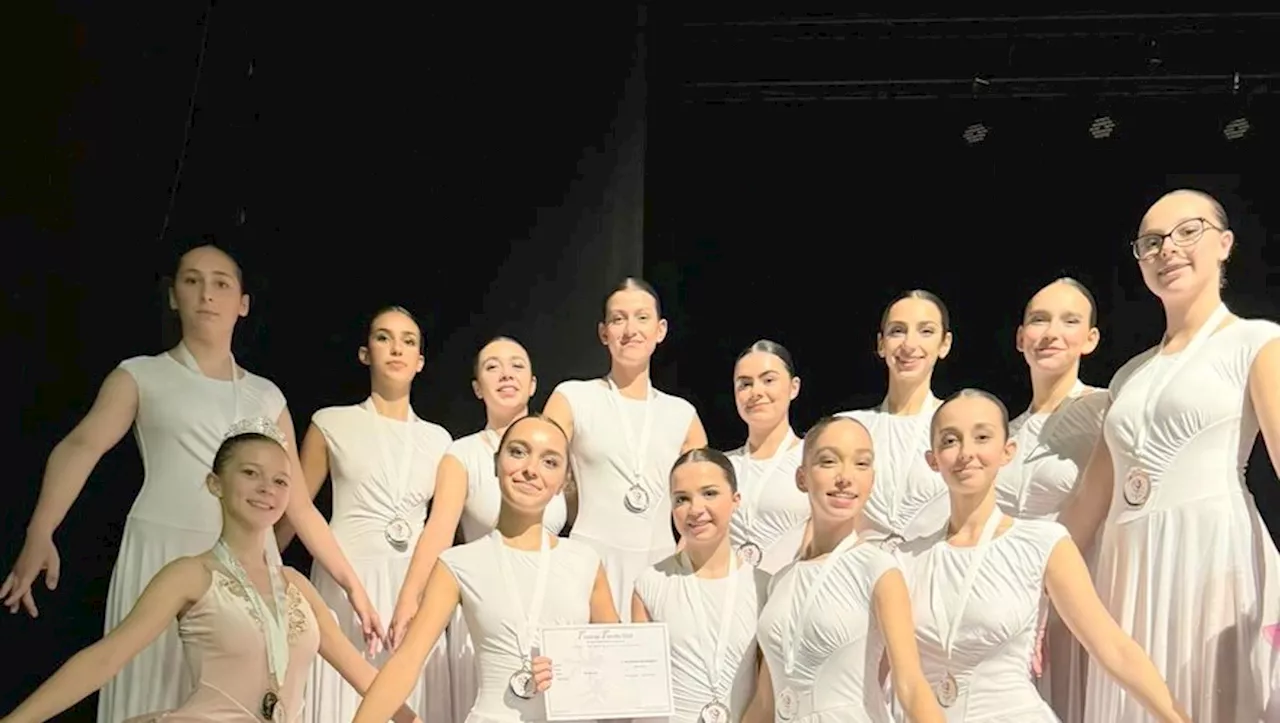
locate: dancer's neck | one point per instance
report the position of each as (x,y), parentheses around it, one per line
(765,441)
(710,561)
(392,403)
(520,530)
(907,397)
(969,514)
(499,419)
(1182,321)
(632,382)
(828,536)
(213,356)
(1048,391)
(247,546)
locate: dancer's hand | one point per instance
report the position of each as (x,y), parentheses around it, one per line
(400,619)
(1037,654)
(541,669)
(39,554)
(369,620)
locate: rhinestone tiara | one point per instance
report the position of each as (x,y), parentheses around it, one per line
(256,425)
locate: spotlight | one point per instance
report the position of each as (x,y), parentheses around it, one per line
(976,133)
(1102,127)
(1236,129)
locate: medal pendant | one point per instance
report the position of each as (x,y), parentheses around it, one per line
(636,499)
(788,704)
(714,712)
(522,684)
(1137,487)
(398,533)
(750,554)
(947,691)
(270,702)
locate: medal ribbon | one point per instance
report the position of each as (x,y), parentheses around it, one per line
(274,625)
(949,624)
(751,500)
(791,635)
(637,447)
(715,677)
(399,484)
(525,635)
(188,360)
(1170,369)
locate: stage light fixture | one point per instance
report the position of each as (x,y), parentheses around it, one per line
(1236,129)
(976,133)
(1102,127)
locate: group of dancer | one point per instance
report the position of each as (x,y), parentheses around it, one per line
(925,560)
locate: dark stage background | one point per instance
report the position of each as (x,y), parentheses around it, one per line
(774,178)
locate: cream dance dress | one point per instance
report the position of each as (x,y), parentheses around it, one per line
(182,418)
(479,516)
(622,452)
(821,638)
(909,500)
(1053,450)
(1186,565)
(977,613)
(508,595)
(384,473)
(711,625)
(773,509)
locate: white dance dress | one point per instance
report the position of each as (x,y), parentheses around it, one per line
(622,454)
(383,473)
(711,626)
(182,418)
(822,640)
(505,606)
(475,452)
(977,613)
(909,500)
(1053,450)
(1186,565)
(772,506)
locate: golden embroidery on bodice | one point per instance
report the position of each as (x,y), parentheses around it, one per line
(295,604)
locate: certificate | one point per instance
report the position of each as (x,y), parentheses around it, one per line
(602,672)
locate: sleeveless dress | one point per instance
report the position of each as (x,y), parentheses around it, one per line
(494,616)
(181,420)
(694,610)
(909,500)
(383,470)
(603,458)
(829,621)
(224,643)
(479,517)
(773,512)
(1053,450)
(995,634)
(1188,568)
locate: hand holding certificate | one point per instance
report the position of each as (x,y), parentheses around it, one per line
(608,672)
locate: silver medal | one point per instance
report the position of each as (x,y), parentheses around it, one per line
(1137,487)
(788,704)
(398,533)
(714,712)
(750,553)
(947,690)
(522,684)
(636,499)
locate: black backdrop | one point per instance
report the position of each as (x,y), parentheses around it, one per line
(404,159)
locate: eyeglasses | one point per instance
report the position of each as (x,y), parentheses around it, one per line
(1184,234)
